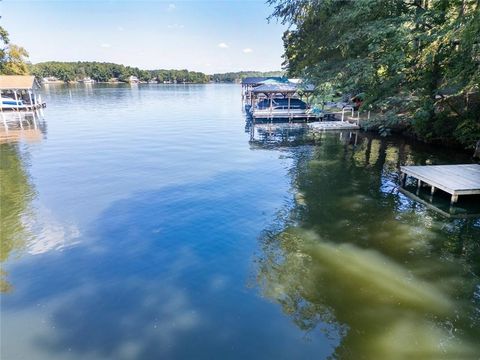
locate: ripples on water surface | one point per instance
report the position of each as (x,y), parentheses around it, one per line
(148,223)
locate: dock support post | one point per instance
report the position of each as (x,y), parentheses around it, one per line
(18,109)
(403,177)
(5,125)
(454,199)
(419,186)
(432,191)
(40,109)
(289,111)
(271,106)
(31,99)
(33,108)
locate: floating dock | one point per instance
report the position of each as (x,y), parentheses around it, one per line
(286,116)
(455,180)
(333,125)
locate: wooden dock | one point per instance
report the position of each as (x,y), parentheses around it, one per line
(283,117)
(333,125)
(454,179)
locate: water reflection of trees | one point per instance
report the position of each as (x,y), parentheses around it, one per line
(16,194)
(384,275)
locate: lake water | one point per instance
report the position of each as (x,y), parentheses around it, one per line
(150,222)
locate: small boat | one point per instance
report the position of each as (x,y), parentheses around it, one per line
(281,109)
(9,102)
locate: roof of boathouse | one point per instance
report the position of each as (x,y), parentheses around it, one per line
(274,81)
(260,80)
(283,88)
(17,82)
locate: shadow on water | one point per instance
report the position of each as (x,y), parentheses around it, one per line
(355,257)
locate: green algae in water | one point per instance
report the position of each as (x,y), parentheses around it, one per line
(387,277)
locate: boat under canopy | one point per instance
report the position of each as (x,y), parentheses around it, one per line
(281,101)
(17,93)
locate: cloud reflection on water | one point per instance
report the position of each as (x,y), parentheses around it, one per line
(160,274)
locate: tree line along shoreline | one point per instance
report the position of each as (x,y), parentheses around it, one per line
(105,72)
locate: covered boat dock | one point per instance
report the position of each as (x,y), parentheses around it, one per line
(281,101)
(18,93)
(19,101)
(249,83)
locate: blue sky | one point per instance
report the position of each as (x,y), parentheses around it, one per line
(201,35)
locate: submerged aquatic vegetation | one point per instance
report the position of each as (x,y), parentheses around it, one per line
(382,276)
(384,309)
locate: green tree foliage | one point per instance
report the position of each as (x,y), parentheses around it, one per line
(238,76)
(416,60)
(13,58)
(103,72)
(4,41)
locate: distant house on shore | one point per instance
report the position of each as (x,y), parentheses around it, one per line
(87,80)
(133,79)
(51,80)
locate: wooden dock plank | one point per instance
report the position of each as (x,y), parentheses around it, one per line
(455,178)
(463,176)
(463,179)
(460,174)
(333,125)
(451,178)
(463,171)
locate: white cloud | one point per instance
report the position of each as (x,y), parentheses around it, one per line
(171,7)
(105,45)
(120,28)
(222,45)
(247,50)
